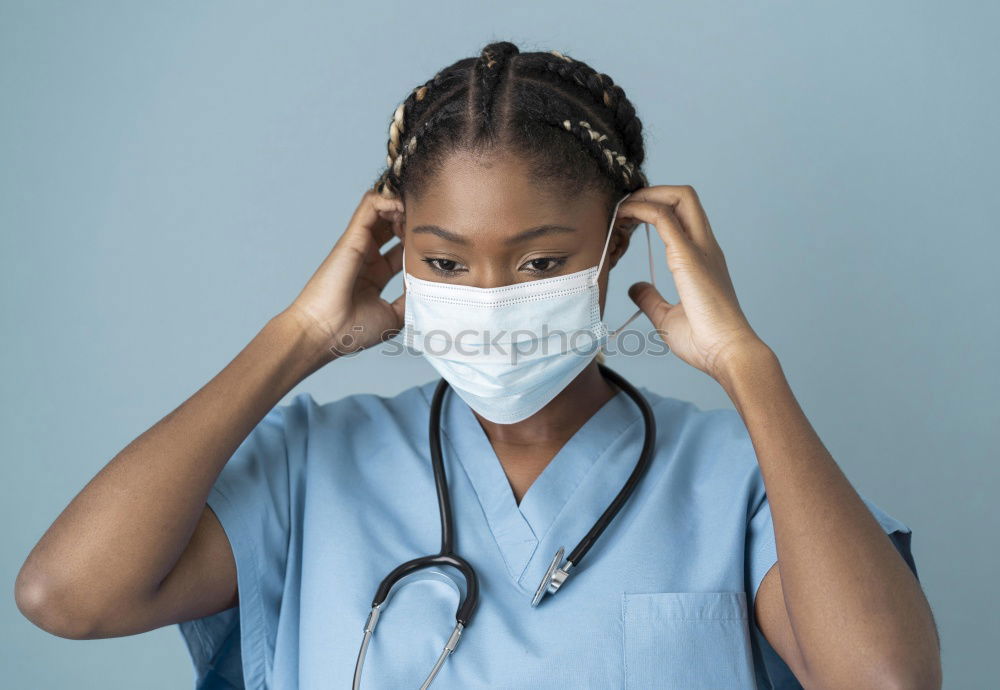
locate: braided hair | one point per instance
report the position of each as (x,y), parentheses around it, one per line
(573,125)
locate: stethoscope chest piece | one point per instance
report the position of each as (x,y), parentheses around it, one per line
(554,577)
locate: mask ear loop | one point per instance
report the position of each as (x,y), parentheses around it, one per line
(649,247)
(406,331)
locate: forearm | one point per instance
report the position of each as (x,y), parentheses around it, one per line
(854,605)
(124,531)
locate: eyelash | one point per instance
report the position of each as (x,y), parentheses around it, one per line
(441,271)
(555,263)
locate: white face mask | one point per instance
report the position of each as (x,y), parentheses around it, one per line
(508,351)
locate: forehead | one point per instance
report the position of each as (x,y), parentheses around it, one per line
(472,195)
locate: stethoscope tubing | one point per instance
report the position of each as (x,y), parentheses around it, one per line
(447,556)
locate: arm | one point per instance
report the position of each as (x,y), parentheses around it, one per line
(842,608)
(102,567)
(138,547)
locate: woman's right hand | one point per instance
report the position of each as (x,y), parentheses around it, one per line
(342,305)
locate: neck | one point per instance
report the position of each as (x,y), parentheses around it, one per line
(561,417)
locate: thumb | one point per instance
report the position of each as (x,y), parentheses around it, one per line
(650,301)
(399,306)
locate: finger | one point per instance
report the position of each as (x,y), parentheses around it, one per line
(367,230)
(394,258)
(389,213)
(399,306)
(391,263)
(686,204)
(393,222)
(679,245)
(372,220)
(650,301)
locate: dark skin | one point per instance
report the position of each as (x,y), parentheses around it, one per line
(467,231)
(834,623)
(138,548)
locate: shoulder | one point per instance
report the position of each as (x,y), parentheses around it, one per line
(683,421)
(711,444)
(355,415)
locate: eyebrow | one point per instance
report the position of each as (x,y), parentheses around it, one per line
(529,234)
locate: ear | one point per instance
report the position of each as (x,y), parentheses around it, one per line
(399,225)
(621,234)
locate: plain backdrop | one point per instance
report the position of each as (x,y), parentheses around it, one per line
(172,173)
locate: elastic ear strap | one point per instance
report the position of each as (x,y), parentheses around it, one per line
(649,254)
(652,281)
(607,240)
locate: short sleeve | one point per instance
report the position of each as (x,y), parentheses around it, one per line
(251,498)
(761,554)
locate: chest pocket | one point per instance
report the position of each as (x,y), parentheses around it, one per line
(689,640)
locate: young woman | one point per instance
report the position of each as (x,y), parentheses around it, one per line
(730,550)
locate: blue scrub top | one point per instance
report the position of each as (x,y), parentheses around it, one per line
(322,501)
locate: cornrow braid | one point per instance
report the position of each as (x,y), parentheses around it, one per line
(489,71)
(525,103)
(412,109)
(604,91)
(616,163)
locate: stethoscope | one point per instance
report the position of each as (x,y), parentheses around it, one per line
(558,570)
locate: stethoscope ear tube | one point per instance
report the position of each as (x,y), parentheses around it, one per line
(468,605)
(447,556)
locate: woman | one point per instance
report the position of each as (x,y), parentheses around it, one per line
(743,557)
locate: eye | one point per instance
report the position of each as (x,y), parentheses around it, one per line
(545,264)
(445,267)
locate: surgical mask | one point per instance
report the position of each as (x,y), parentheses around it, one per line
(507,351)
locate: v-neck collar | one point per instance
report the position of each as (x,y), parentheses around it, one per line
(518,529)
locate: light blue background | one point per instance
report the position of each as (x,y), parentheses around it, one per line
(172,174)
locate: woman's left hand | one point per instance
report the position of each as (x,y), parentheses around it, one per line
(707,327)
